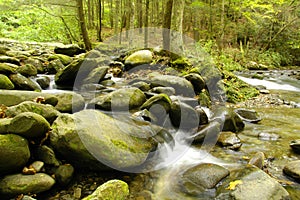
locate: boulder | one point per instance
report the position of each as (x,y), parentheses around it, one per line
(107,143)
(13,185)
(250,183)
(229,140)
(29,125)
(27,70)
(43,81)
(121,99)
(69,102)
(113,189)
(69,50)
(36,63)
(181,85)
(96,75)
(23,83)
(201,177)
(64,174)
(7,69)
(295,145)
(4,124)
(14,153)
(45,110)
(197,81)
(139,58)
(142,85)
(164,90)
(47,155)
(248,115)
(258,160)
(54,66)
(8,59)
(5,83)
(292,169)
(64,59)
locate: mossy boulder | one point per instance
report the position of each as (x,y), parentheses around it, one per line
(54,66)
(14,153)
(37,63)
(27,70)
(64,59)
(8,59)
(96,75)
(7,69)
(69,102)
(4,124)
(113,189)
(5,83)
(69,50)
(121,99)
(23,83)
(138,58)
(197,81)
(13,185)
(29,125)
(92,140)
(292,169)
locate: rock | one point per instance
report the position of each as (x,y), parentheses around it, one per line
(43,81)
(54,66)
(47,111)
(13,185)
(7,69)
(27,70)
(250,183)
(29,125)
(207,134)
(36,63)
(108,142)
(158,105)
(64,174)
(107,83)
(8,59)
(26,197)
(69,50)
(197,81)
(295,145)
(229,140)
(18,54)
(204,99)
(69,102)
(113,189)
(15,97)
(143,115)
(47,155)
(5,83)
(248,115)
(121,99)
(164,90)
(37,166)
(292,169)
(268,136)
(138,58)
(3,49)
(23,83)
(203,119)
(142,86)
(14,153)
(4,124)
(64,59)
(184,116)
(181,85)
(258,160)
(201,177)
(187,100)
(96,75)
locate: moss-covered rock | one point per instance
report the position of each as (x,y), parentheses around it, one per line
(113,189)
(6,68)
(8,59)
(138,58)
(4,124)
(14,153)
(96,75)
(54,66)
(69,50)
(64,59)
(27,70)
(37,63)
(23,83)
(5,83)
(69,102)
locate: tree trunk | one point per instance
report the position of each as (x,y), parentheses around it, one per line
(140,15)
(84,32)
(100,21)
(176,24)
(146,24)
(167,25)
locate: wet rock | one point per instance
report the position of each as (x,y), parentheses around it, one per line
(23,83)
(64,174)
(47,111)
(5,83)
(27,70)
(4,124)
(108,83)
(113,189)
(8,59)
(205,176)
(138,58)
(143,115)
(207,134)
(29,125)
(54,66)
(295,145)
(15,97)
(69,50)
(248,115)
(114,143)
(264,91)
(18,54)
(96,75)
(7,69)
(204,99)
(229,140)
(69,102)
(292,169)
(268,136)
(203,119)
(250,183)
(14,153)
(258,160)
(13,185)
(181,85)
(36,63)
(121,99)
(187,100)
(197,81)
(64,59)
(43,81)
(142,86)
(47,155)
(164,90)
(184,116)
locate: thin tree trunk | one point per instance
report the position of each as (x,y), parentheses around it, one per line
(100,21)
(177,21)
(146,24)
(84,32)
(140,15)
(167,25)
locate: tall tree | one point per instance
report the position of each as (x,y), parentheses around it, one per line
(146,24)
(84,32)
(167,25)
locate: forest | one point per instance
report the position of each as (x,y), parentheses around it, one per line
(235,32)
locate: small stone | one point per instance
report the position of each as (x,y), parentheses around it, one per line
(258,160)
(229,140)
(37,165)
(264,91)
(268,136)
(292,169)
(295,145)
(64,174)
(77,193)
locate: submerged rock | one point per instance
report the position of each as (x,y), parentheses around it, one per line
(113,189)
(13,185)
(258,160)
(248,115)
(292,169)
(229,140)
(14,153)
